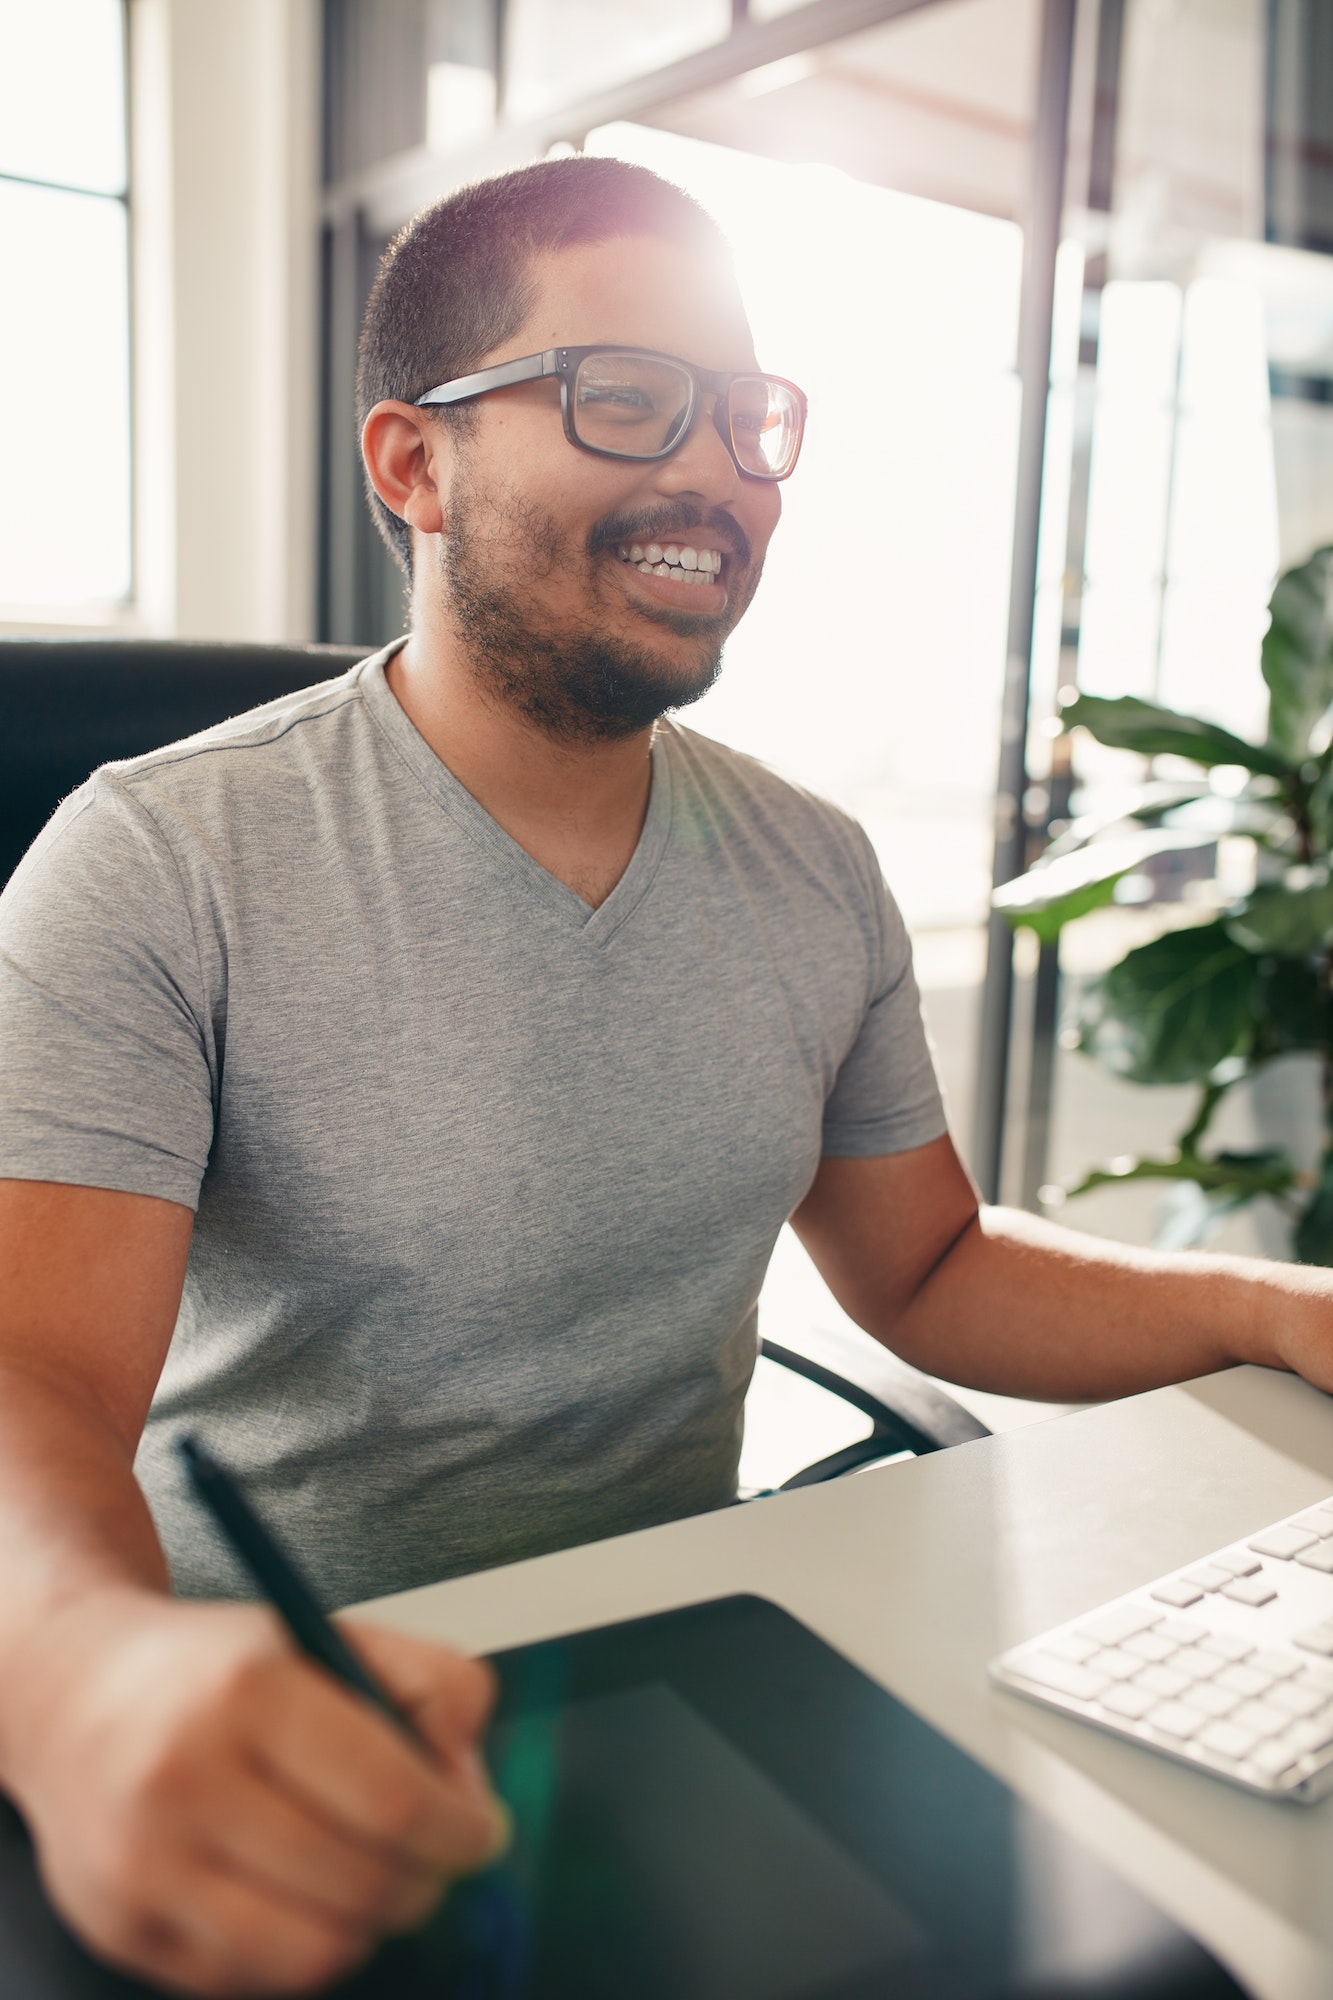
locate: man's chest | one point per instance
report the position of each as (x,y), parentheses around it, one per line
(409,1078)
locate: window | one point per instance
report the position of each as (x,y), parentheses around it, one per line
(862,668)
(65,516)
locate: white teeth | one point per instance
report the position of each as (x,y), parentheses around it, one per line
(681,565)
(697,576)
(699,565)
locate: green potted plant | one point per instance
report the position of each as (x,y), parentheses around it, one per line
(1216,1000)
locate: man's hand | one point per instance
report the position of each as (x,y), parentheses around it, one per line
(213,1812)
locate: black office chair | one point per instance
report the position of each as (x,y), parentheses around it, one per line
(67,706)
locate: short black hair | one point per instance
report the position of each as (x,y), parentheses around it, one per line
(456,281)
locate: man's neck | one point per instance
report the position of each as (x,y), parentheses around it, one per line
(576,807)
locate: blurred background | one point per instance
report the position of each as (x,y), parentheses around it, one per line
(1057,275)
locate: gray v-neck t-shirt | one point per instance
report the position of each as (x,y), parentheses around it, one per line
(486,1180)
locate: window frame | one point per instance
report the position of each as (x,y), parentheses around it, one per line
(119,613)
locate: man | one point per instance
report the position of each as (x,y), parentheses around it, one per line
(494,1026)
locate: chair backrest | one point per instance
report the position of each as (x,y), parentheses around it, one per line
(68,705)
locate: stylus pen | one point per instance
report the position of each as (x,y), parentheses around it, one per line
(284,1586)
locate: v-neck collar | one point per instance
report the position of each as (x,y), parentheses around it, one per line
(596,926)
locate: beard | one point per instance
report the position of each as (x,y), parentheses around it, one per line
(583,686)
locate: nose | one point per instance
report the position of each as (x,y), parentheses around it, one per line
(703,464)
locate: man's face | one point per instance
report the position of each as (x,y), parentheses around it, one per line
(537,562)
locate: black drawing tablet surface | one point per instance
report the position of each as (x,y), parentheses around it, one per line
(714,1805)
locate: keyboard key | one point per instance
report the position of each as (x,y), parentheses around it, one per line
(1181,1631)
(1151,1646)
(1243,1678)
(1195,1662)
(1227,1646)
(1121,1622)
(1208,1578)
(1294,1699)
(1236,1562)
(1280,1665)
(1176,1593)
(1319,1557)
(1162,1682)
(1281,1542)
(1174,1719)
(1210,1699)
(1250,1590)
(1131,1702)
(1259,1717)
(1319,1639)
(1064,1676)
(1114,1664)
(1307,1737)
(1273,1758)
(1227,1740)
(1319,1520)
(1153,1665)
(1068,1646)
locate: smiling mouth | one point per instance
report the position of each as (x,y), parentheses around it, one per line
(682,563)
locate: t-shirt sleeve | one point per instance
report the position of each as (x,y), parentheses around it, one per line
(886,1097)
(106,1071)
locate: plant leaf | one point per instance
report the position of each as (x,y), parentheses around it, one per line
(1288,922)
(1190,1216)
(1220,819)
(1170,1011)
(1144,805)
(1295,1007)
(1269,1171)
(1313,1240)
(1126,723)
(1298,655)
(1054,892)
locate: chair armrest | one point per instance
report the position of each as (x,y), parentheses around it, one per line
(909,1411)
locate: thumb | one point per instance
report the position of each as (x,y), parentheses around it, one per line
(448,1695)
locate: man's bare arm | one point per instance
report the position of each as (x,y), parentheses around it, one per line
(209,1809)
(999,1300)
(90,1283)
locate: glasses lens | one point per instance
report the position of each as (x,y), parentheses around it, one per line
(765,425)
(633,404)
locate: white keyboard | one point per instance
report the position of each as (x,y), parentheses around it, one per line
(1227,1664)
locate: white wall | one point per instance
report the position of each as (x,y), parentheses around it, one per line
(225,229)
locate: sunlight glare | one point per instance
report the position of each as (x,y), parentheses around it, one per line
(870,665)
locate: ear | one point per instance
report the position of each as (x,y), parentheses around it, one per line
(409,462)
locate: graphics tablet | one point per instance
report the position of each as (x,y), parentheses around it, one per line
(714,1805)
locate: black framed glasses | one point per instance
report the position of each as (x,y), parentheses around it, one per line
(629,402)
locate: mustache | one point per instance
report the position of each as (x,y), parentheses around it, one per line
(671,523)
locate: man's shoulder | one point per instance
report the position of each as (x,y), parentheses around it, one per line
(247,739)
(754,793)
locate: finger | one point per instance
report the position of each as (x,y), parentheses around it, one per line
(236,1940)
(448,1696)
(285,1849)
(339,1756)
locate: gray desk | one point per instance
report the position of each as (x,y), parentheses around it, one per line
(924,1570)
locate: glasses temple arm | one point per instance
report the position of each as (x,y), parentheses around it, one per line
(529,369)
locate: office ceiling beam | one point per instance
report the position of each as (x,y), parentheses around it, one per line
(394,189)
